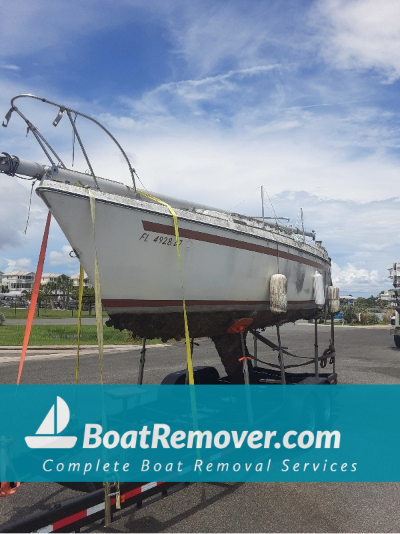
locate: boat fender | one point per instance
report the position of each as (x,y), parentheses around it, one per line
(333,299)
(278,293)
(319,289)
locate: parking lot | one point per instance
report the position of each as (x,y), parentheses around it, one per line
(364,356)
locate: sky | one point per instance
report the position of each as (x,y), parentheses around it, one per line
(211,100)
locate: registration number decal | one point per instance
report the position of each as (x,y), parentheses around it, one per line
(160,239)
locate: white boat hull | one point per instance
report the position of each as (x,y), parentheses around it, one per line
(226,262)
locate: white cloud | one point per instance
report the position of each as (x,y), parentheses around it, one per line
(63,257)
(14,212)
(9,67)
(361,34)
(351,279)
(208,88)
(21,264)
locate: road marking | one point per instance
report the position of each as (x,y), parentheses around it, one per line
(14,356)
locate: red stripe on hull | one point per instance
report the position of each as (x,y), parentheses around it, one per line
(227,242)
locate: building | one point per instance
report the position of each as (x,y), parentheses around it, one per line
(86,281)
(49,277)
(18,280)
(388,296)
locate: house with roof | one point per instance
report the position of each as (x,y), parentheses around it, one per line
(86,281)
(49,277)
(18,280)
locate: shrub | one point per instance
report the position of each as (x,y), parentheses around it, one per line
(351,312)
(2,318)
(387,315)
(372,319)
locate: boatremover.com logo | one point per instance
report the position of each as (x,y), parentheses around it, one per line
(161,436)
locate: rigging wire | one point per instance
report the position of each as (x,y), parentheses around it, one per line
(273,209)
(73,141)
(244,199)
(29,207)
(137,176)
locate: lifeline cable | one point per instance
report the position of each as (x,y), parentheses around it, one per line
(35,293)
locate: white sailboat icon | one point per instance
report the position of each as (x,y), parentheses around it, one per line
(54,423)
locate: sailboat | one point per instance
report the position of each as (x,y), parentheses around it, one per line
(54,423)
(228,260)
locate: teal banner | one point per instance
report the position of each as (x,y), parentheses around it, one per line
(199,433)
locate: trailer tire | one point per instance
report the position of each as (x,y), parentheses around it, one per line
(309,415)
(397,341)
(326,408)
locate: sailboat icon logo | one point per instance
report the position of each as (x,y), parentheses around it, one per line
(46,436)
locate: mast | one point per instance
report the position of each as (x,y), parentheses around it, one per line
(262,204)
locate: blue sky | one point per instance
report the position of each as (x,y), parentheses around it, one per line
(212,100)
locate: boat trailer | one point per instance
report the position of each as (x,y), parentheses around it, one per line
(108,502)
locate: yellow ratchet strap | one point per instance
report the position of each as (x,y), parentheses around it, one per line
(178,251)
(80,295)
(97,289)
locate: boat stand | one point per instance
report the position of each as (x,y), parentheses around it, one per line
(316,350)
(142,362)
(316,360)
(238,327)
(332,345)
(280,356)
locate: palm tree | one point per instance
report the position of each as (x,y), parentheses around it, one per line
(52,288)
(47,293)
(89,297)
(64,284)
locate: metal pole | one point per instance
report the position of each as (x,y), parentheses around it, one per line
(280,356)
(333,342)
(245,365)
(262,203)
(255,351)
(302,224)
(142,362)
(316,349)
(107,504)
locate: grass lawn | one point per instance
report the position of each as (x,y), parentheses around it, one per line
(22,313)
(64,335)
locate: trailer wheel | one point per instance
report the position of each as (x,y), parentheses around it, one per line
(326,408)
(309,415)
(397,341)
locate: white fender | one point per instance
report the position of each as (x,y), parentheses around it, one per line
(278,293)
(333,299)
(319,289)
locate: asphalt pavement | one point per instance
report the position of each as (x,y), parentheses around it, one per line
(364,356)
